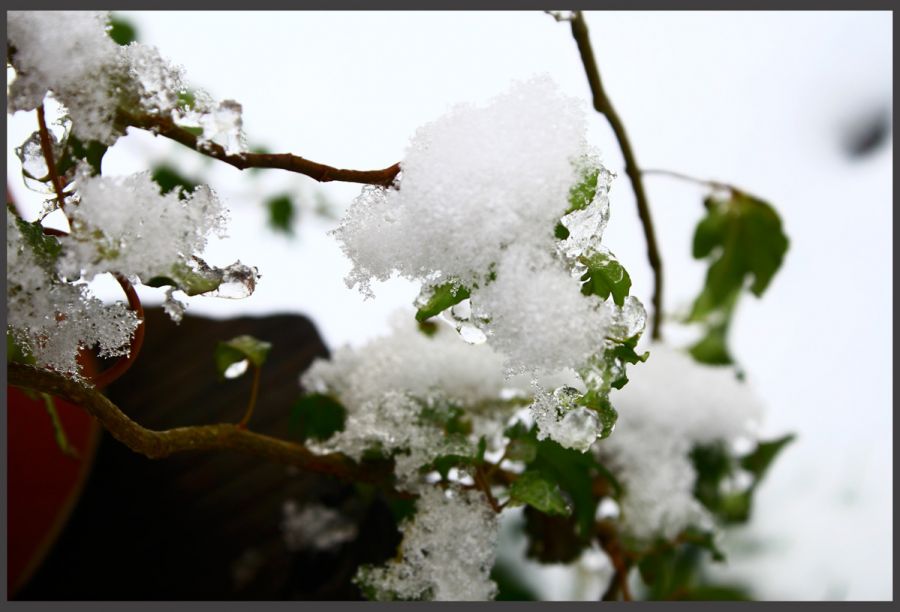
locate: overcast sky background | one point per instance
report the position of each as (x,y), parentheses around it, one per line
(765,101)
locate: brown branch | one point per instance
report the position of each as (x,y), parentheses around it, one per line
(166,126)
(609,542)
(603,105)
(483,485)
(160,444)
(121,366)
(47,150)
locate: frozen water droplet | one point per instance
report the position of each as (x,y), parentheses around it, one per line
(607,509)
(462,311)
(238,281)
(236,369)
(567,397)
(223,126)
(578,429)
(629,320)
(32,157)
(471,333)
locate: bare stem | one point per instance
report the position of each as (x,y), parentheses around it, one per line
(692,179)
(165,126)
(59,431)
(603,105)
(254,392)
(49,159)
(482,484)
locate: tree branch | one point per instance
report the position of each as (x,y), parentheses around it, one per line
(603,105)
(160,444)
(166,126)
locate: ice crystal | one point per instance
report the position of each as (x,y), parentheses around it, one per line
(447,553)
(560,418)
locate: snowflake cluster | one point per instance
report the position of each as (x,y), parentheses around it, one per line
(447,553)
(399,388)
(51,319)
(674,404)
(70,54)
(125,224)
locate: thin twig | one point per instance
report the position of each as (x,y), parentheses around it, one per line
(59,431)
(603,105)
(609,542)
(693,179)
(254,392)
(49,159)
(165,126)
(485,487)
(121,366)
(159,444)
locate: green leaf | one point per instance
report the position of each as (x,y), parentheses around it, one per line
(717,592)
(238,349)
(561,231)
(16,353)
(712,348)
(91,152)
(553,538)
(605,276)
(583,192)
(196,131)
(521,449)
(198,278)
(511,586)
(187,100)
(429,328)
(574,473)
(759,461)
(46,248)
(168,178)
(59,433)
(121,31)
(316,416)
(743,239)
(714,466)
(673,572)
(704,539)
(443,297)
(538,491)
(281,213)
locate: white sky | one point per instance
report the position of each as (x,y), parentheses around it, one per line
(756,99)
